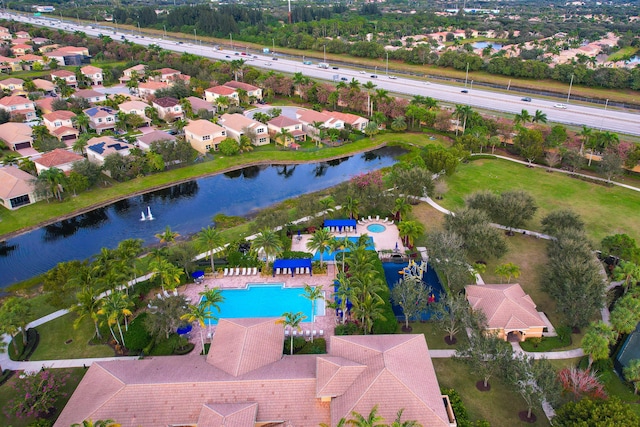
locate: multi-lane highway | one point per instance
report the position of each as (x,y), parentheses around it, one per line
(623,122)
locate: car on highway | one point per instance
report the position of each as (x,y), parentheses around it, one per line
(363,72)
(335,68)
(392,77)
(464,91)
(274,59)
(373,76)
(227,56)
(526,99)
(561,106)
(344,79)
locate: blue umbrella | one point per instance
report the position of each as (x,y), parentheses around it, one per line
(182,330)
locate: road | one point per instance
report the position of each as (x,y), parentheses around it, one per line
(619,121)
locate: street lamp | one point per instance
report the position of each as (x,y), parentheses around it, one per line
(570,86)
(195,34)
(324,53)
(606,104)
(387,63)
(466,76)
(165,31)
(231,38)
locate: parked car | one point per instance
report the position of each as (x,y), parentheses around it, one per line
(526,99)
(561,106)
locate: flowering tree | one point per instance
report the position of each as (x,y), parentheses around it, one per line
(36,394)
(581,383)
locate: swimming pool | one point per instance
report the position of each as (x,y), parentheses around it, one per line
(376,228)
(330,256)
(391,273)
(264,300)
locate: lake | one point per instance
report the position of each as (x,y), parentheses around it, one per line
(186,208)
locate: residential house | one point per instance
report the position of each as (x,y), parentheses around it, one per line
(16,188)
(5,35)
(19,105)
(511,314)
(27,61)
(245,381)
(135,107)
(356,122)
(145,140)
(204,135)
(23,35)
(169,75)
(12,85)
(101,118)
(60,125)
(17,136)
(169,109)
(37,41)
(45,104)
(148,89)
(93,74)
(198,104)
(138,70)
(59,159)
(68,77)
(100,147)
(309,117)
(253,92)
(213,93)
(92,96)
(10,64)
(45,86)
(238,125)
(292,126)
(21,49)
(70,55)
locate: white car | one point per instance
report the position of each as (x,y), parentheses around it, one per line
(561,106)
(392,77)
(363,72)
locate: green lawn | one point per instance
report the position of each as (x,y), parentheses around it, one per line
(499,406)
(435,337)
(55,334)
(7,393)
(605,210)
(619,55)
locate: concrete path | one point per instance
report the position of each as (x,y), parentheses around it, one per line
(35,366)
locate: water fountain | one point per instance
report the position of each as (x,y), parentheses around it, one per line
(149,216)
(142,217)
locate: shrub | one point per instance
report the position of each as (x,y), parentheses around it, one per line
(318,346)
(137,337)
(298,343)
(348,328)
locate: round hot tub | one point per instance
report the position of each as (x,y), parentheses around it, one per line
(376,228)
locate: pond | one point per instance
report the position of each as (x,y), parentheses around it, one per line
(186,208)
(482,45)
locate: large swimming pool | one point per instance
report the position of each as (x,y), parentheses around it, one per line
(330,256)
(264,300)
(392,274)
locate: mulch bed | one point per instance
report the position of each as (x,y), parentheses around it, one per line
(523,417)
(480,386)
(450,341)
(406,329)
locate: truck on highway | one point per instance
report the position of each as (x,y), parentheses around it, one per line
(323,65)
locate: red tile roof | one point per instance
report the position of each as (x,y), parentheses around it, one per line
(283,121)
(221,90)
(58,157)
(59,115)
(241,85)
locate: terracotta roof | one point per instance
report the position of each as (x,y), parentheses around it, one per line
(59,115)
(345,117)
(240,85)
(153,85)
(11,80)
(30,57)
(12,100)
(228,414)
(44,84)
(200,104)
(62,73)
(45,103)
(11,132)
(87,93)
(58,157)
(14,182)
(90,69)
(221,90)
(238,122)
(203,127)
(133,105)
(166,102)
(310,116)
(156,135)
(64,130)
(168,71)
(506,306)
(139,67)
(283,121)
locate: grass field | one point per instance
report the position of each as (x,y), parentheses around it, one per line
(435,337)
(499,406)
(605,210)
(7,393)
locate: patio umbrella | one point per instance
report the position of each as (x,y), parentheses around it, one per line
(183,330)
(199,274)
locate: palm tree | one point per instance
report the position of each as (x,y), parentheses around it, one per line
(88,306)
(462,112)
(522,118)
(284,136)
(167,236)
(585,136)
(368,309)
(409,231)
(312,294)
(209,238)
(507,271)
(327,205)
(399,124)
(320,131)
(539,117)
(372,420)
(269,241)
(168,273)
(80,144)
(399,423)
(381,96)
(369,86)
(212,299)
(98,423)
(115,305)
(350,206)
(54,177)
(320,242)
(82,122)
(628,272)
(401,208)
(198,313)
(632,373)
(292,320)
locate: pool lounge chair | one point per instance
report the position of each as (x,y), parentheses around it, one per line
(314,333)
(166,294)
(255,270)
(175,292)
(307,333)
(244,271)
(278,270)
(321,332)
(226,272)
(159,295)
(238,271)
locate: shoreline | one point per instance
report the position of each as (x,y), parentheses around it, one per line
(25,230)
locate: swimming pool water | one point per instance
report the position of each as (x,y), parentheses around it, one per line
(264,300)
(376,228)
(331,256)
(391,273)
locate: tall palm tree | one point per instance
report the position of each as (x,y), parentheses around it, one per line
(313,294)
(409,231)
(372,420)
(507,271)
(523,117)
(167,236)
(369,86)
(269,241)
(628,272)
(292,320)
(368,309)
(80,144)
(539,117)
(327,205)
(343,293)
(350,206)
(320,131)
(401,208)
(88,306)
(399,423)
(198,313)
(82,122)
(284,136)
(212,299)
(382,95)
(319,242)
(54,177)
(168,273)
(114,306)
(209,238)
(585,136)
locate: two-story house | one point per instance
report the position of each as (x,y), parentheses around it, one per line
(213,93)
(29,60)
(313,121)
(93,74)
(16,187)
(290,126)
(198,104)
(254,93)
(60,125)
(144,141)
(45,86)
(59,159)
(16,105)
(101,118)
(92,96)
(137,108)
(67,76)
(169,109)
(355,121)
(21,49)
(169,75)
(204,135)
(137,70)
(10,64)
(17,136)
(148,89)
(238,125)
(13,85)
(100,147)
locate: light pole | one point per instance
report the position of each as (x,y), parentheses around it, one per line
(165,31)
(387,63)
(231,38)
(570,86)
(471,87)
(375,71)
(273,44)
(606,104)
(139,32)
(195,34)
(466,77)
(324,53)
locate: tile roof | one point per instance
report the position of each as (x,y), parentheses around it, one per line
(164,71)
(345,117)
(310,116)
(247,381)
(506,306)
(11,80)
(59,115)
(156,135)
(15,182)
(133,105)
(64,130)
(153,85)
(45,103)
(62,73)
(44,84)
(58,157)
(200,104)
(11,100)
(11,132)
(166,102)
(241,85)
(203,127)
(99,112)
(221,90)
(238,122)
(87,93)
(283,121)
(90,69)
(30,57)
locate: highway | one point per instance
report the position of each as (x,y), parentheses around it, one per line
(598,117)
